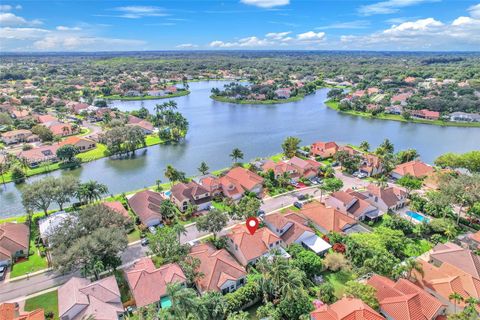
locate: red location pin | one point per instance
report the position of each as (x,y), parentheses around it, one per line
(252,225)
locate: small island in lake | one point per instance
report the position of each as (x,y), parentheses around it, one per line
(268,92)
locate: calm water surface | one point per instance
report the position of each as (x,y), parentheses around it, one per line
(258,130)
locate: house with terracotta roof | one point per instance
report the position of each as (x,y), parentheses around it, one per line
(306,168)
(79,298)
(346,309)
(371,165)
(118,207)
(464,259)
(83,144)
(34,157)
(148,284)
(385,199)
(146,205)
(191,193)
(248,180)
(293,228)
(62,129)
(10,311)
(247,248)
(46,118)
(425,114)
(146,126)
(353,204)
(17,136)
(280,168)
(403,300)
(415,168)
(323,149)
(446,279)
(14,242)
(327,219)
(211,183)
(221,272)
(78,107)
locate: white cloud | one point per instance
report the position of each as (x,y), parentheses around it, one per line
(357,24)
(475,11)
(421,34)
(273,39)
(389,6)
(311,36)
(5,7)
(10,19)
(136,12)
(64,28)
(85,43)
(22,33)
(277,35)
(266,3)
(187,46)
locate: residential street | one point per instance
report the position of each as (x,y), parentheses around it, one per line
(20,289)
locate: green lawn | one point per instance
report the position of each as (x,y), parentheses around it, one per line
(338,280)
(47,301)
(134,235)
(395,117)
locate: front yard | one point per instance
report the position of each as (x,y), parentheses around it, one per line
(338,280)
(47,301)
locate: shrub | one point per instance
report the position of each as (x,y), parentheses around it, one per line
(18,176)
(339,247)
(246,294)
(326,293)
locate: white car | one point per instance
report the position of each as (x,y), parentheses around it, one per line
(152,230)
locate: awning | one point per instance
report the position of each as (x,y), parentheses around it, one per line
(316,244)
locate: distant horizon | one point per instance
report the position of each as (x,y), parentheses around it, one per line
(148,25)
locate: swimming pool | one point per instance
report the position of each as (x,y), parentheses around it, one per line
(167,193)
(417,216)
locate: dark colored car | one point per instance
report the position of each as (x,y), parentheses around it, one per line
(297,204)
(3,272)
(260,213)
(144,242)
(301,197)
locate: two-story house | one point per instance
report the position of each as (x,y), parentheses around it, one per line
(192,193)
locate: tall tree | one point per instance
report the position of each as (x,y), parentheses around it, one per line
(91,191)
(365,146)
(236,155)
(39,194)
(184,301)
(203,168)
(168,210)
(214,221)
(290,146)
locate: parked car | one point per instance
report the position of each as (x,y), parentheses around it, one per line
(260,213)
(301,197)
(144,242)
(297,204)
(152,229)
(3,272)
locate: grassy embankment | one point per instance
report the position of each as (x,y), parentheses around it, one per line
(99,152)
(277,101)
(146,97)
(395,117)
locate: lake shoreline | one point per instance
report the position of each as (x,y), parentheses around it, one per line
(394,117)
(147,97)
(266,102)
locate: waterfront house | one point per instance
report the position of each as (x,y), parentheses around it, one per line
(148,284)
(247,179)
(280,168)
(293,228)
(323,149)
(404,300)
(352,204)
(415,168)
(371,165)
(34,157)
(146,126)
(345,309)
(385,199)
(77,107)
(192,193)
(221,272)
(306,168)
(79,299)
(118,207)
(464,117)
(401,98)
(14,242)
(247,248)
(425,114)
(146,205)
(328,219)
(82,144)
(48,224)
(283,93)
(397,109)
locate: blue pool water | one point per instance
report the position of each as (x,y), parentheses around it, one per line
(168,193)
(417,216)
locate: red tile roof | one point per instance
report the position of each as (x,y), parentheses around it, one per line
(414,168)
(246,178)
(329,219)
(297,229)
(146,205)
(149,284)
(9,311)
(252,246)
(217,266)
(461,258)
(402,300)
(13,237)
(346,309)
(117,206)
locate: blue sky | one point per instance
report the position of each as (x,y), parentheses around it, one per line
(101,25)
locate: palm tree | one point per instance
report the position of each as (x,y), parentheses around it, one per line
(382,182)
(365,146)
(456,298)
(203,169)
(158,182)
(171,173)
(91,191)
(236,154)
(179,229)
(413,265)
(213,306)
(184,300)
(168,210)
